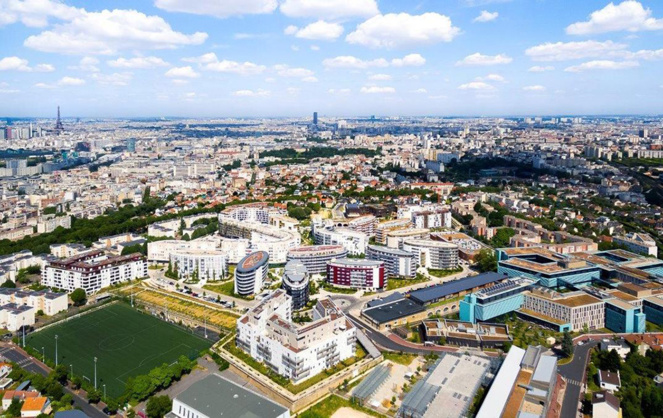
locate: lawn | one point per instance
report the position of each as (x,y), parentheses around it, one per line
(126,342)
(398,283)
(188,306)
(400,358)
(226,288)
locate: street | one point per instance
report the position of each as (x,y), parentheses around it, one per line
(18,356)
(574,373)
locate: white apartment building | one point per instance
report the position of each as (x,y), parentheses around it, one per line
(431,254)
(638,243)
(13,316)
(49,223)
(570,311)
(93,271)
(204,264)
(160,251)
(48,302)
(353,241)
(297,352)
(67,250)
(276,242)
(440,218)
(382,228)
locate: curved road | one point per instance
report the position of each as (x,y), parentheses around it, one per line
(574,373)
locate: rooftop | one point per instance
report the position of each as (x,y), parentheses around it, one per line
(440,291)
(393,310)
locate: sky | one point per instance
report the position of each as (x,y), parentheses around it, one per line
(282,58)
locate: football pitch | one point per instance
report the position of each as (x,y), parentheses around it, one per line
(126,343)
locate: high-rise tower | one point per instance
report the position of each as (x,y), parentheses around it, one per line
(58,124)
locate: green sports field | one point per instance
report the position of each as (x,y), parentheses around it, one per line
(126,342)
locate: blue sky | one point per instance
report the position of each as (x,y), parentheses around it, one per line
(209,58)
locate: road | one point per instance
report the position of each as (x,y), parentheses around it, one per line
(18,356)
(574,373)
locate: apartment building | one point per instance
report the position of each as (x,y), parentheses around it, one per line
(431,254)
(267,333)
(396,262)
(638,243)
(93,271)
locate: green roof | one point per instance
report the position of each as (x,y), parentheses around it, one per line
(218,397)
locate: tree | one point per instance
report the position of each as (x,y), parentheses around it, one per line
(8,284)
(78,296)
(94,395)
(486,260)
(14,409)
(158,406)
(567,344)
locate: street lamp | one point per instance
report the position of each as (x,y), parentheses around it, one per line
(56,350)
(72,371)
(95,373)
(43,355)
(104,391)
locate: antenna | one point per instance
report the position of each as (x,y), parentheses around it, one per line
(59,128)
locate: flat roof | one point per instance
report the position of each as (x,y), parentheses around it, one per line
(252,261)
(434,293)
(391,311)
(218,397)
(496,398)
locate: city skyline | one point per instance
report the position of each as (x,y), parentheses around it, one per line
(263,58)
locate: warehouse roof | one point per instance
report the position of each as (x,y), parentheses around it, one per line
(437,292)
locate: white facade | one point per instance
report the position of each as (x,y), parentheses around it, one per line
(354,242)
(276,242)
(205,264)
(638,243)
(93,271)
(13,316)
(431,254)
(48,302)
(268,334)
(160,251)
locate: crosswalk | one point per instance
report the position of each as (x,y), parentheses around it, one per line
(573,382)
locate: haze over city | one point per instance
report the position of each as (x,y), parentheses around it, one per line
(211,58)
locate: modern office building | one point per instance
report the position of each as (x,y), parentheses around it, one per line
(431,254)
(315,257)
(200,264)
(548,268)
(356,273)
(266,332)
(623,317)
(92,271)
(571,311)
(652,307)
(465,334)
(295,282)
(495,300)
(523,387)
(251,273)
(639,243)
(217,397)
(396,262)
(455,288)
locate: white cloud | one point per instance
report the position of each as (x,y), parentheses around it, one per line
(286,71)
(377,90)
(138,62)
(44,68)
(45,86)
(310,79)
(540,69)
(218,8)
(315,48)
(339,91)
(420,91)
(348,61)
(115,79)
(602,65)
(486,16)
(35,13)
(71,81)
(19,64)
(628,16)
(182,72)
(492,77)
(179,81)
(252,93)
(411,60)
(317,31)
(87,64)
(480,59)
(476,85)
(402,30)
(380,77)
(329,9)
(534,88)
(211,62)
(109,31)
(646,54)
(562,51)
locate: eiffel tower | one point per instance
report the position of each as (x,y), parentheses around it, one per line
(58,124)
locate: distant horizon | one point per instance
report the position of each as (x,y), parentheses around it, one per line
(260,58)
